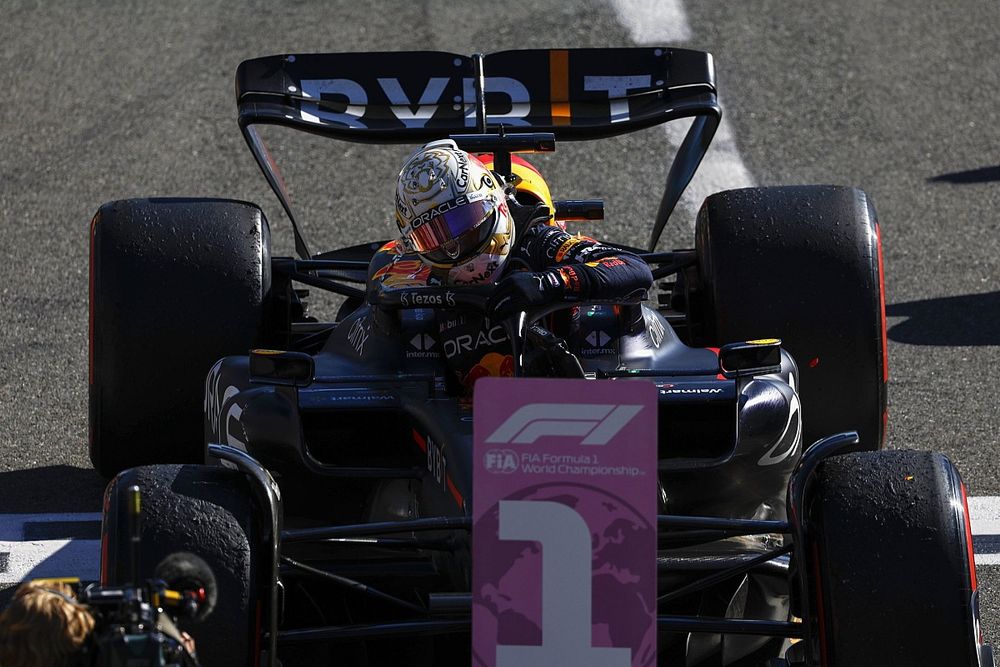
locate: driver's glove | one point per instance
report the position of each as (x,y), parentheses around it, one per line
(525,289)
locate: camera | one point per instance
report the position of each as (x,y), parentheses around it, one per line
(135,625)
(111,624)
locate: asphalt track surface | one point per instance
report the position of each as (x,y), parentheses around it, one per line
(106,100)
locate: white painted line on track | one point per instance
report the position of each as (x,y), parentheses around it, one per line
(985,514)
(59,557)
(51,558)
(651,21)
(721,169)
(665,23)
(984,508)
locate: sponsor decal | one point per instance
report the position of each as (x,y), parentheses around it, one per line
(492,364)
(422,346)
(598,338)
(609,262)
(671,389)
(352,99)
(417,298)
(423,342)
(653,327)
(598,344)
(570,278)
(788,442)
(213,399)
(564,532)
(480,277)
(596,423)
(549,238)
(441,209)
(467,343)
(617,88)
(446,325)
(215,404)
(358,335)
(566,246)
(437,464)
(501,461)
(462,177)
(402,107)
(351,92)
(320,398)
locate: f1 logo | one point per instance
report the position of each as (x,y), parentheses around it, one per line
(595,423)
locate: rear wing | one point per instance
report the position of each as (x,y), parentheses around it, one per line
(415,97)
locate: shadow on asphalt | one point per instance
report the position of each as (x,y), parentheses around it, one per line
(981,175)
(971,319)
(52,489)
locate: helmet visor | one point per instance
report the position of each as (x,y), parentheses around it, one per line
(455,234)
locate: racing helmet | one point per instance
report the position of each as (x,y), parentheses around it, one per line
(452,212)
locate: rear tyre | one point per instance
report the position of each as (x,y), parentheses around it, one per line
(802,264)
(206,511)
(175,284)
(893,571)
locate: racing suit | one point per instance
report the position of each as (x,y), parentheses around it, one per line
(473,345)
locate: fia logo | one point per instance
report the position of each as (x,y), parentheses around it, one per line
(500,461)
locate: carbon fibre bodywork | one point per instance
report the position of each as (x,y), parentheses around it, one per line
(378,419)
(726,446)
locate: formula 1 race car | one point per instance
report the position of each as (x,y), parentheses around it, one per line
(323,469)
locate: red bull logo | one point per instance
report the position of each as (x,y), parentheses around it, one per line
(492,364)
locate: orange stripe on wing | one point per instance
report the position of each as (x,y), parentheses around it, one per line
(559,87)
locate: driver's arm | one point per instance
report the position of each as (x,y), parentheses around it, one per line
(587,269)
(565,266)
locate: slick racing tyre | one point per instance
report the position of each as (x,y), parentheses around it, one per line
(175,284)
(802,264)
(890,546)
(201,510)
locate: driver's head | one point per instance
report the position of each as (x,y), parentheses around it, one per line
(452,212)
(44,625)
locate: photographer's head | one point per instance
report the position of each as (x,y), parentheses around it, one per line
(44,625)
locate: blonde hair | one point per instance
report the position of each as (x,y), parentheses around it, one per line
(43,626)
